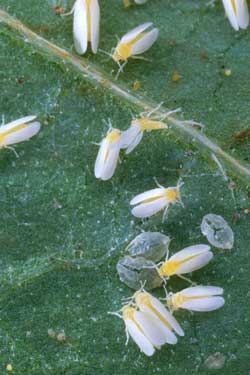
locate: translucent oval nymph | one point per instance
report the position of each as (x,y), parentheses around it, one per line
(138,271)
(149,245)
(218,232)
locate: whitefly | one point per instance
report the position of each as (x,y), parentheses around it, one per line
(135,272)
(218,232)
(149,245)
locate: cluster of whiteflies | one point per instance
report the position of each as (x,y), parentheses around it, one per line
(151,324)
(148,321)
(116,140)
(86,29)
(237,13)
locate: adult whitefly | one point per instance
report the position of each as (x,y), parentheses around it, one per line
(108,155)
(153,201)
(198,298)
(18,131)
(185,261)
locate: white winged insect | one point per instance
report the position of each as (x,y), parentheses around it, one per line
(108,155)
(18,131)
(143,328)
(197,298)
(237,13)
(156,200)
(148,304)
(145,123)
(185,261)
(86,25)
(134,43)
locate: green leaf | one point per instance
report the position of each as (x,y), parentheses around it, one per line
(63,231)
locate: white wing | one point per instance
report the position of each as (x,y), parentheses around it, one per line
(166,315)
(80,26)
(190,251)
(135,143)
(203,304)
(150,194)
(143,44)
(149,209)
(141,340)
(129,137)
(23,134)
(95,24)
(132,34)
(20,121)
(150,327)
(231,14)
(195,263)
(201,291)
(111,161)
(242,13)
(101,156)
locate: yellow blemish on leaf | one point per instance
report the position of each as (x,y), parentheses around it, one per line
(126,3)
(9,368)
(227,72)
(176,76)
(136,85)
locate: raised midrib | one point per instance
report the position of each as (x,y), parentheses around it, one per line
(95,75)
